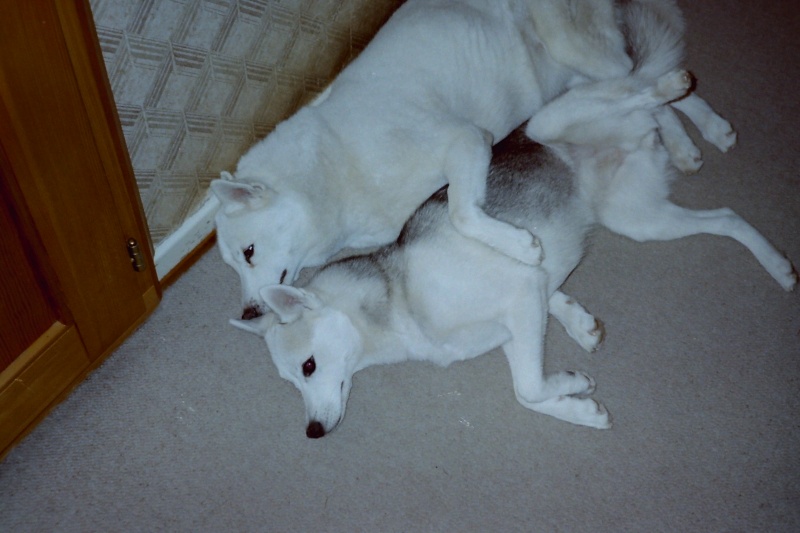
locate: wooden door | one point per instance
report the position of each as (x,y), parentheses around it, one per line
(70,293)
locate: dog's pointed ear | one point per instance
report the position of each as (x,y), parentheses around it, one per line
(289,302)
(258,325)
(238,195)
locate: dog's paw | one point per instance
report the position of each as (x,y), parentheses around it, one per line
(591,385)
(588,333)
(595,337)
(538,251)
(784,273)
(579,324)
(686,158)
(778,266)
(525,247)
(673,85)
(720,133)
(791,280)
(580,411)
(577,384)
(509,240)
(591,413)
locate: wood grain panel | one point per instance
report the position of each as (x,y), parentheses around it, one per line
(25,311)
(70,205)
(71,169)
(44,372)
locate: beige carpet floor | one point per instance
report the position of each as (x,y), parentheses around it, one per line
(188,427)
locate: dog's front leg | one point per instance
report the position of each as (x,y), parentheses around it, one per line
(552,394)
(466,168)
(584,328)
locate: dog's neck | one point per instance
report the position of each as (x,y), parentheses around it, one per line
(361,288)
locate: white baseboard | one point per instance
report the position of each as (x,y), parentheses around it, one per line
(194,230)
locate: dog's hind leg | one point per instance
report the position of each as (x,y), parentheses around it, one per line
(466,170)
(683,153)
(662,220)
(590,114)
(584,328)
(559,394)
(713,127)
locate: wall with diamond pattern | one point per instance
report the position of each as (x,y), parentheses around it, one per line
(197,82)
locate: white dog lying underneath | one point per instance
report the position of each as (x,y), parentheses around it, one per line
(437,296)
(419,108)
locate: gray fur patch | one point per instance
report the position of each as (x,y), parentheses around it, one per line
(525,178)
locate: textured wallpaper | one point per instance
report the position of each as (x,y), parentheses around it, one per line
(196,82)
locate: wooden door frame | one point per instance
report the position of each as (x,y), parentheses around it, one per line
(51,56)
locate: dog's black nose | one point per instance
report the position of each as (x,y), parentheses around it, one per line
(315,430)
(251,312)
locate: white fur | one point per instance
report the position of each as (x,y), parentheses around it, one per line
(438,297)
(635,201)
(420,107)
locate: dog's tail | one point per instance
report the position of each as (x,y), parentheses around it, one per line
(653,31)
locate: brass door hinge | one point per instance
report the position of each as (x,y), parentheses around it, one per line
(137,259)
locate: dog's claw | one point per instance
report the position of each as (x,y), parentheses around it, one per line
(599,332)
(537,245)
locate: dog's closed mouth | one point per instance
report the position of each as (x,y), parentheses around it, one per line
(251,312)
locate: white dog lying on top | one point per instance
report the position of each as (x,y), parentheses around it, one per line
(419,108)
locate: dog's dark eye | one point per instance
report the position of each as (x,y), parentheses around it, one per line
(309,366)
(283,276)
(248,253)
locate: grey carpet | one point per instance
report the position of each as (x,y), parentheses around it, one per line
(187,427)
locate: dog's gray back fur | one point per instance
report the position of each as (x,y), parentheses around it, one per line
(528,186)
